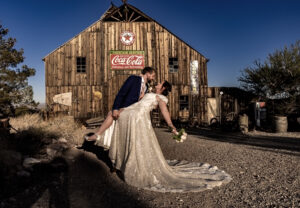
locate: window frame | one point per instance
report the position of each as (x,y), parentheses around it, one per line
(173,64)
(80,64)
(184,103)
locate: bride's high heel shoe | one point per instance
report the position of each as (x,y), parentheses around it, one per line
(88,143)
(86,137)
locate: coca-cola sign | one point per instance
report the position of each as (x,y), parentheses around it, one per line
(127,59)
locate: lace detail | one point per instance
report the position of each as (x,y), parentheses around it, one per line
(148,103)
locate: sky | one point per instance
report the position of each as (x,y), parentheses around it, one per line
(231,33)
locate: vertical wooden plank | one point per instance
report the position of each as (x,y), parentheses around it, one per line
(170,54)
(86,46)
(187,80)
(141,30)
(69,63)
(149,47)
(162,56)
(73,62)
(94,55)
(55,65)
(117,35)
(153,45)
(97,56)
(157,49)
(80,100)
(47,68)
(90,69)
(145,45)
(85,102)
(166,56)
(77,53)
(59,67)
(101,54)
(105,51)
(184,63)
(52,71)
(176,51)
(112,36)
(136,31)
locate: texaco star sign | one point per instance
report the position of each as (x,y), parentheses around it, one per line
(127,38)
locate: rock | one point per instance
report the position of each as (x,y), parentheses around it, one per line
(23,173)
(62,140)
(72,154)
(55,149)
(30,161)
(51,152)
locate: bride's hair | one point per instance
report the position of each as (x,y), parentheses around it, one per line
(168,88)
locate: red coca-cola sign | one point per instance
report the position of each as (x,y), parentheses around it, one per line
(131,60)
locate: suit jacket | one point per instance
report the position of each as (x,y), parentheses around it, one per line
(129,92)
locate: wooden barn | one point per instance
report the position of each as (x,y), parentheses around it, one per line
(84,74)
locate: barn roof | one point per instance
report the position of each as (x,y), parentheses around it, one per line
(125,13)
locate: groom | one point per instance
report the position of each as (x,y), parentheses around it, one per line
(131,92)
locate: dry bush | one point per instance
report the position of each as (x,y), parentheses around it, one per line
(62,126)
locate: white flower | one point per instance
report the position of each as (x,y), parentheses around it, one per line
(183,137)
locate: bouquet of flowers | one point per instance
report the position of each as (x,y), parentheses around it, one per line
(180,136)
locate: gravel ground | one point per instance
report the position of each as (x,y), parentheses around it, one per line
(265,170)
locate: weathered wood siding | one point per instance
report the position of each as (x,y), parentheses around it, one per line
(95,44)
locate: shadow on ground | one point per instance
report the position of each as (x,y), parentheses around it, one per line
(96,186)
(79,180)
(270,143)
(51,176)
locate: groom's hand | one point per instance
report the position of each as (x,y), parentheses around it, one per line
(115,114)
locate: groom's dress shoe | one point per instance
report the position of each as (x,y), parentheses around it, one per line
(86,144)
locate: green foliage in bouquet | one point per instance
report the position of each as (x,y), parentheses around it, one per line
(181,136)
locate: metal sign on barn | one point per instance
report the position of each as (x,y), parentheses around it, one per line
(127,59)
(127,38)
(63,98)
(194,77)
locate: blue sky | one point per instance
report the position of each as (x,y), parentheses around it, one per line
(231,33)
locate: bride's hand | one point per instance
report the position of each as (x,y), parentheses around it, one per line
(174,131)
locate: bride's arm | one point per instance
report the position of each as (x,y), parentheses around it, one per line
(164,110)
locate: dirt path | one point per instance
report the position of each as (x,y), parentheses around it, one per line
(265,171)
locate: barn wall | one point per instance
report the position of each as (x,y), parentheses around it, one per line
(95,44)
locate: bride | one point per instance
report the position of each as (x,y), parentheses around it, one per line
(135,151)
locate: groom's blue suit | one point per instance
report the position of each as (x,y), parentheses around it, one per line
(129,92)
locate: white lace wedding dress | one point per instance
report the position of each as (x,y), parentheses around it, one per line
(135,151)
